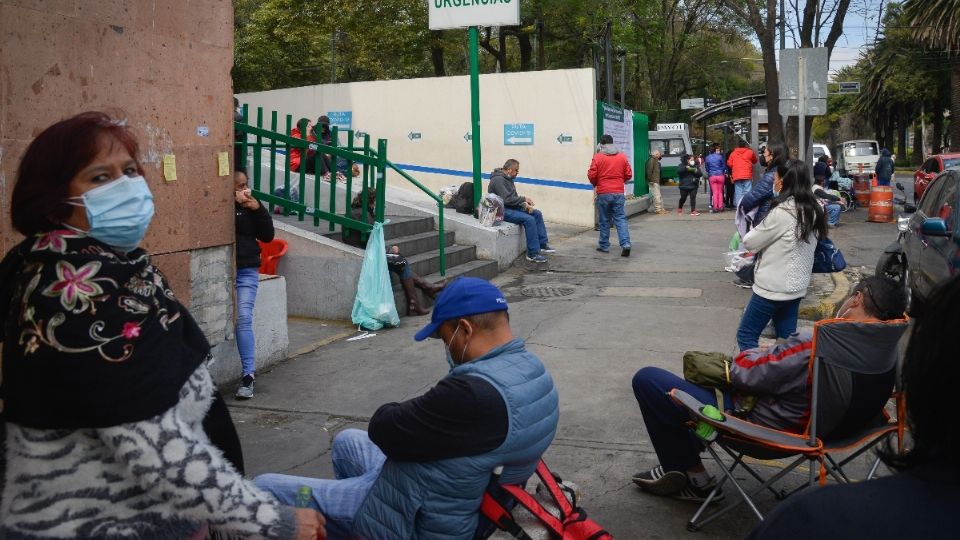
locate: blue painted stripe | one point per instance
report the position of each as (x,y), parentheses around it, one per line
(486,176)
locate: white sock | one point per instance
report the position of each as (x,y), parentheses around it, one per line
(699,479)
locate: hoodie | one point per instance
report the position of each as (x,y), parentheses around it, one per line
(502,186)
(689,174)
(609,170)
(884,168)
(741,163)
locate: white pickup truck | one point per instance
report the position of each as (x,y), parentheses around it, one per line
(857,156)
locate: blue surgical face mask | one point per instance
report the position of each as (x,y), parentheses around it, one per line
(118,212)
(446,350)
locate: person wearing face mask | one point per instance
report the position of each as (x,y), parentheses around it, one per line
(253,223)
(774,378)
(689,174)
(105,389)
(423,466)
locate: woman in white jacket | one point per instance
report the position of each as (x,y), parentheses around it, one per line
(784,243)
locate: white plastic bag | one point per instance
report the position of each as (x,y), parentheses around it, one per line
(735,260)
(490,210)
(448,193)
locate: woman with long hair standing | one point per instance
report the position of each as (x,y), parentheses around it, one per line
(784,242)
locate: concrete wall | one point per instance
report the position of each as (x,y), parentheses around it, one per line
(165,67)
(556,102)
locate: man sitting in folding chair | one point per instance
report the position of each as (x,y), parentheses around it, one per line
(776,378)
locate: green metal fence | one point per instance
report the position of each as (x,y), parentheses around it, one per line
(373,164)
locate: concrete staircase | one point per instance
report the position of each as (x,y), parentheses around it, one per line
(417,239)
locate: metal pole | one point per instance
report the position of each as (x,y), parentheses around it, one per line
(783,26)
(608,60)
(475,112)
(802,113)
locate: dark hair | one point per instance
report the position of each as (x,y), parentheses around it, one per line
(606,139)
(484,321)
(716,147)
(510,163)
(778,154)
(930,374)
(371,198)
(53,159)
(741,143)
(796,183)
(823,158)
(883,297)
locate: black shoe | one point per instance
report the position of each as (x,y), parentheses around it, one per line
(601,250)
(699,494)
(246,387)
(547,249)
(660,482)
(625,252)
(742,284)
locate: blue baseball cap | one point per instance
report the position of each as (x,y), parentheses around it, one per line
(464,297)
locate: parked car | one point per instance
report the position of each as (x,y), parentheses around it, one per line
(928,250)
(857,156)
(933,166)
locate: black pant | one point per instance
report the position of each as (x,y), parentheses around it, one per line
(693,198)
(728,193)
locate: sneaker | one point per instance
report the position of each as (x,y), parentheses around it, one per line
(625,252)
(539,259)
(601,250)
(246,387)
(547,249)
(679,211)
(742,284)
(695,213)
(660,482)
(694,493)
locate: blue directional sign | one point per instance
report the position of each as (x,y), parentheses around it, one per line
(341,119)
(517,134)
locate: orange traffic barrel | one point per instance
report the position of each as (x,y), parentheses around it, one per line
(881,205)
(861,189)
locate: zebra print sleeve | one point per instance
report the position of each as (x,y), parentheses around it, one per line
(170,456)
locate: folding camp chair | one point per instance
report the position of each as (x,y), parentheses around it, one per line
(853,366)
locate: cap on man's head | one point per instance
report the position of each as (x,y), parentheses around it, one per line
(464,297)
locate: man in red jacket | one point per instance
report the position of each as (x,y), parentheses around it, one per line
(608,172)
(741,162)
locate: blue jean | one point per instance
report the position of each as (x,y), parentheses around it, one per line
(610,205)
(833,213)
(759,312)
(356,464)
(741,188)
(248,279)
(533,227)
(677,448)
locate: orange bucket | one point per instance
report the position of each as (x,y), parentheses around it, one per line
(881,205)
(861,189)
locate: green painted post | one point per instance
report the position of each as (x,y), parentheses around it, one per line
(273,155)
(334,142)
(381,177)
(246,121)
(286,168)
(303,168)
(364,188)
(257,151)
(475,112)
(349,175)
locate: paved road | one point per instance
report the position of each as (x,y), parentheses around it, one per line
(594,319)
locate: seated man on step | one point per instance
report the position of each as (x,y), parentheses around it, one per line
(423,466)
(520,210)
(776,377)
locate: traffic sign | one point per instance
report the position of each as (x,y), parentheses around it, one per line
(851,87)
(414,135)
(692,103)
(517,134)
(446,14)
(563,138)
(803,77)
(341,119)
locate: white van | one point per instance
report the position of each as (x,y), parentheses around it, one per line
(856,156)
(672,143)
(820,150)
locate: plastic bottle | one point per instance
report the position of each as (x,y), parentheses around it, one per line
(704,430)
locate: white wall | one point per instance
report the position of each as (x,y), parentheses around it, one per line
(556,102)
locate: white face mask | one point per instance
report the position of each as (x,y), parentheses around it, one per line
(691,162)
(844,310)
(446,350)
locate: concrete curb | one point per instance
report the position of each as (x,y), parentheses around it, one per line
(828,306)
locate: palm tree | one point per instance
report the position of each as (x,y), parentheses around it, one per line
(936,24)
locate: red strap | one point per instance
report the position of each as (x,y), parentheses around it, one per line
(535,508)
(550,481)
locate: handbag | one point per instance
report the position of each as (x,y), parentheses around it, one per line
(827,258)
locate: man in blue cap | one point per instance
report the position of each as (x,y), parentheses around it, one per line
(423,466)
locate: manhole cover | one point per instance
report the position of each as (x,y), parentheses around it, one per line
(547,291)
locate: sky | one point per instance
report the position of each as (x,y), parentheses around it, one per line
(859,32)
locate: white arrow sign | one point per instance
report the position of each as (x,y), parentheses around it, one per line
(520,140)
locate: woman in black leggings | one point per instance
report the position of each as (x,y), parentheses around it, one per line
(689,175)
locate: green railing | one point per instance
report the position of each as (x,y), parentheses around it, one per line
(373,167)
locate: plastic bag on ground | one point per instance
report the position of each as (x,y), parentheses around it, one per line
(374,307)
(448,193)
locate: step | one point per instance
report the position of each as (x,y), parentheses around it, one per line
(476,268)
(397,227)
(421,243)
(428,262)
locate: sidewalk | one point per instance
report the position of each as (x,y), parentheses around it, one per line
(593,318)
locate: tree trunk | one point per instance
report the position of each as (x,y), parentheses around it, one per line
(436,53)
(936,145)
(917,158)
(772,86)
(955,102)
(902,122)
(526,50)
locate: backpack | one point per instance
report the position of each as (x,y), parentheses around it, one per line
(573,523)
(463,200)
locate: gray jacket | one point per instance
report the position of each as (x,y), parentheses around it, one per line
(503,186)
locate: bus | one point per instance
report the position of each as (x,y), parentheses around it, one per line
(672,140)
